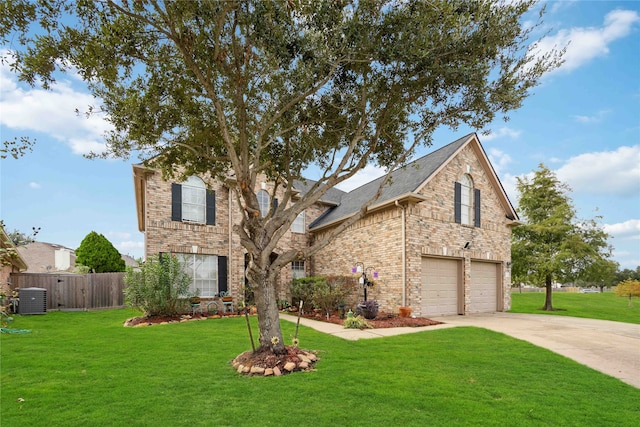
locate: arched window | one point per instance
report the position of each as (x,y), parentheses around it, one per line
(466,200)
(263,202)
(193,200)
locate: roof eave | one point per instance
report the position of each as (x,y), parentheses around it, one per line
(402,199)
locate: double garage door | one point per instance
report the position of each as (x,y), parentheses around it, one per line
(442,287)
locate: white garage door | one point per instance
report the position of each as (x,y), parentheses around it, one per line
(484,287)
(439,286)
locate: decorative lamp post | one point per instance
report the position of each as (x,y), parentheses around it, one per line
(364,280)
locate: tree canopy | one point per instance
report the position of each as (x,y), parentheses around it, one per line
(245,89)
(97,253)
(553,245)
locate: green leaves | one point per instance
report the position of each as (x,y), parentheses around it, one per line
(553,245)
(97,253)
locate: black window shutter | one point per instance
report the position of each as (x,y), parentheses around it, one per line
(176,202)
(275,205)
(457,202)
(211,207)
(476,206)
(222,274)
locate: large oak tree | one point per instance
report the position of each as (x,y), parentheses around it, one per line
(238,89)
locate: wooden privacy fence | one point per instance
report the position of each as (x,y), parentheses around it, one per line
(75,291)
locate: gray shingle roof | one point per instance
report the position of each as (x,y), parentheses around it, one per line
(332,197)
(404,180)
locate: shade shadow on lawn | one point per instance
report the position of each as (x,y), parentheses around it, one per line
(86,369)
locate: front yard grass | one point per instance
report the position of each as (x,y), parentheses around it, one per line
(603,306)
(85,368)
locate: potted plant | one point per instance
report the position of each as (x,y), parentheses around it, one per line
(368,309)
(404,311)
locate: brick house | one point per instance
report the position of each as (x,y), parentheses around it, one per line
(438,238)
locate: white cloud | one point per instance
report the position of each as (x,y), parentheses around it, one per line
(586,43)
(368,174)
(131,244)
(34,185)
(499,159)
(501,133)
(596,118)
(607,172)
(52,112)
(629,229)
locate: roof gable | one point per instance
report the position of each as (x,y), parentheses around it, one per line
(407,181)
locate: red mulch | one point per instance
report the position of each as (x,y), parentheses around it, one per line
(382,320)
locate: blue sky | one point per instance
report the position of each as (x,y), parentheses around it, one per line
(583,122)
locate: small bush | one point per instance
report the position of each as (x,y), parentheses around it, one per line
(356,322)
(302,289)
(159,288)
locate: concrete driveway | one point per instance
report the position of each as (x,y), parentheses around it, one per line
(610,347)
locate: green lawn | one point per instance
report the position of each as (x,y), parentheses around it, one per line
(605,306)
(84,368)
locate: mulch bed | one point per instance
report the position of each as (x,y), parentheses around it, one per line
(265,363)
(382,320)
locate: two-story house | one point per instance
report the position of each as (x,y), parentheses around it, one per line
(438,238)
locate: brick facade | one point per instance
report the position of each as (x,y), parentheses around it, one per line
(375,241)
(430,230)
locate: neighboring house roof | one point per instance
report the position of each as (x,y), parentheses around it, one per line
(407,181)
(41,257)
(129,261)
(45,257)
(6,243)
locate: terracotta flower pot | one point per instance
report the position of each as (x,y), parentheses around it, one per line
(405,311)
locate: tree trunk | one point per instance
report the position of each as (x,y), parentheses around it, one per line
(264,289)
(549,291)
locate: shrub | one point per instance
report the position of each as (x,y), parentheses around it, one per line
(328,295)
(356,322)
(159,287)
(97,253)
(302,289)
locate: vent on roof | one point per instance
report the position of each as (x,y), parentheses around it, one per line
(32,301)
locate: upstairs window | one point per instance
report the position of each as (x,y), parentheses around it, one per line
(467,202)
(192,202)
(299,225)
(263,202)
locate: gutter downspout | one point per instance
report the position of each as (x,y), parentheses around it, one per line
(404,253)
(230,258)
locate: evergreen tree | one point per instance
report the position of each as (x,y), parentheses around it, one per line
(97,253)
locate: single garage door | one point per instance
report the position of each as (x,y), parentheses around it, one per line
(440,279)
(484,287)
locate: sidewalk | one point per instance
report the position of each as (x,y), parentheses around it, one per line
(612,348)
